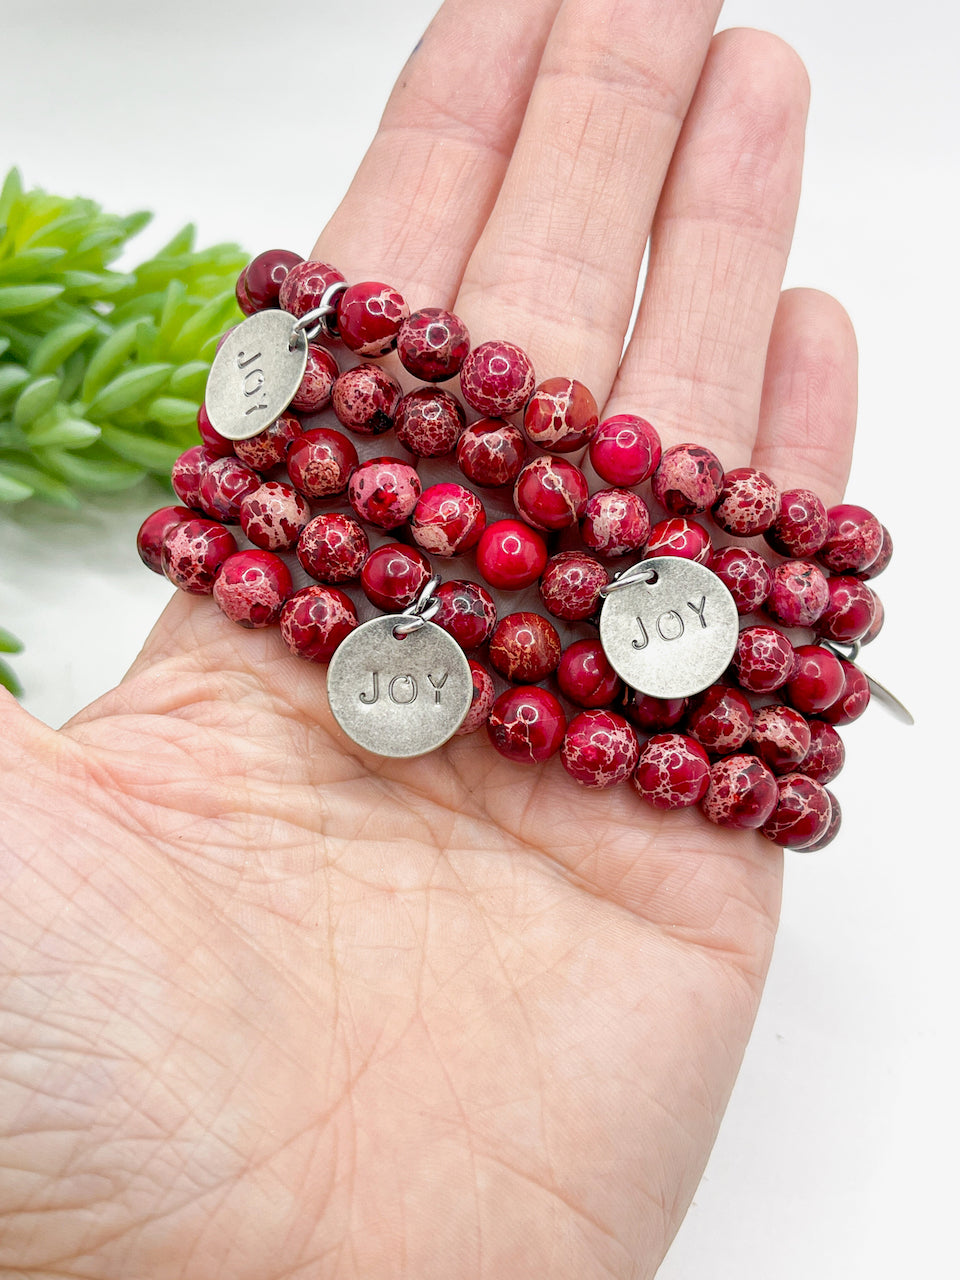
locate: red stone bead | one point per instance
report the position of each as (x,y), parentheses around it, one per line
(798,593)
(187,472)
(467,611)
(817,679)
(854,697)
(550,493)
(154,529)
(429,422)
(749,502)
(365,399)
(826,755)
(240,293)
(780,736)
(654,714)
(333,547)
(490,452)
(274,516)
(527,724)
(432,344)
(384,491)
(625,450)
(561,415)
(211,437)
(524,647)
(510,555)
(719,719)
(849,610)
(833,828)
(877,624)
(853,541)
(448,520)
(251,587)
(585,675)
(192,552)
(484,696)
(600,749)
(570,586)
(263,277)
(321,462)
(314,621)
(497,379)
(802,813)
(615,522)
(801,524)
(393,576)
(316,386)
(688,479)
(224,485)
(745,574)
(268,449)
(679,537)
(764,659)
(883,557)
(673,771)
(304,285)
(369,316)
(742,793)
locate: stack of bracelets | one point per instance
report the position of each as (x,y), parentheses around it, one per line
(676,674)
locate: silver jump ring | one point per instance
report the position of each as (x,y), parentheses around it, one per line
(421,611)
(313,322)
(629,578)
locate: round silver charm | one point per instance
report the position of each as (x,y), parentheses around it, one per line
(255,374)
(399,697)
(671,635)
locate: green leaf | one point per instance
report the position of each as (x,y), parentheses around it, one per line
(10,193)
(9,680)
(9,643)
(109,356)
(51,352)
(174,314)
(63,432)
(36,398)
(12,490)
(129,388)
(30,263)
(12,378)
(217,313)
(67,229)
(155,455)
(170,411)
(100,474)
(5,345)
(15,299)
(42,485)
(134,223)
(190,380)
(182,242)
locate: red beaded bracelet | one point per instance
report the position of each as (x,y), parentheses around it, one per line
(670,691)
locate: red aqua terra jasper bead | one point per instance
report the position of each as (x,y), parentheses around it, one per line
(586,677)
(428,422)
(654,714)
(269,448)
(192,552)
(432,344)
(484,696)
(447,520)
(742,793)
(467,612)
(550,493)
(688,479)
(153,531)
(816,681)
(719,719)
(801,815)
(510,555)
(211,437)
(365,399)
(304,285)
(798,593)
(251,587)
(274,516)
(825,758)
(836,817)
(316,386)
(384,492)
(749,502)
(764,659)
(679,537)
(615,522)
(314,621)
(854,697)
(600,749)
(524,647)
(745,574)
(849,610)
(853,541)
(264,276)
(527,724)
(187,472)
(800,526)
(571,584)
(497,379)
(491,452)
(393,576)
(369,316)
(625,450)
(673,771)
(561,415)
(224,485)
(780,736)
(332,548)
(320,462)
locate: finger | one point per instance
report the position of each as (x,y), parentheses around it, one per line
(557,264)
(431,175)
(694,365)
(808,413)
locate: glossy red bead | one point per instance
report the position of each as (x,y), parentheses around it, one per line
(274,516)
(561,415)
(447,520)
(429,421)
(748,504)
(826,754)
(884,555)
(264,276)
(801,815)
(316,386)
(801,524)
(192,553)
(524,647)
(833,827)
(467,611)
(268,449)
(745,574)
(320,462)
(369,316)
(223,486)
(187,472)
(393,576)
(510,555)
(600,749)
(673,771)
(304,285)
(688,479)
(384,492)
(742,793)
(154,529)
(491,452)
(332,548)
(876,625)
(211,437)
(585,675)
(816,681)
(571,584)
(432,344)
(527,724)
(849,610)
(719,719)
(240,293)
(854,697)
(764,659)
(484,696)
(615,522)
(251,587)
(365,399)
(314,621)
(798,593)
(679,537)
(550,493)
(853,541)
(625,450)
(654,714)
(780,736)
(497,379)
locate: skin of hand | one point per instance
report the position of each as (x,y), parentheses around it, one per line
(270,1007)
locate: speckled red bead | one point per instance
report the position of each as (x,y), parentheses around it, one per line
(365,399)
(251,587)
(274,515)
(384,492)
(304,285)
(719,719)
(798,593)
(780,736)
(223,486)
(561,415)
(615,522)
(550,493)
(269,448)
(510,555)
(654,714)
(491,452)
(853,541)
(211,437)
(369,316)
(467,611)
(316,386)
(432,344)
(764,659)
(571,584)
(688,479)
(447,520)
(527,724)
(497,379)
(849,610)
(393,576)
(826,755)
(679,537)
(429,421)
(585,675)
(192,553)
(314,621)
(673,771)
(745,574)
(854,697)
(187,472)
(748,504)
(816,681)
(240,293)
(801,815)
(264,277)
(801,524)
(154,529)
(742,793)
(332,548)
(884,556)
(524,647)
(484,696)
(876,625)
(625,450)
(320,462)
(833,827)
(600,749)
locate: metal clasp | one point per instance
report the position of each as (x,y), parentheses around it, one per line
(317,321)
(421,611)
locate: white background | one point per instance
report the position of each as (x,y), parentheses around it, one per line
(838,1155)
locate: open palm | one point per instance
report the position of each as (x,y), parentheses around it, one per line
(270,1007)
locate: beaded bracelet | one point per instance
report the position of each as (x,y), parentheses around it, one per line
(737,718)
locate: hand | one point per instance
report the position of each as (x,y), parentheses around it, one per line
(273,1009)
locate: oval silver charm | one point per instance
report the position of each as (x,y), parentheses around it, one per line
(255,374)
(673,636)
(399,697)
